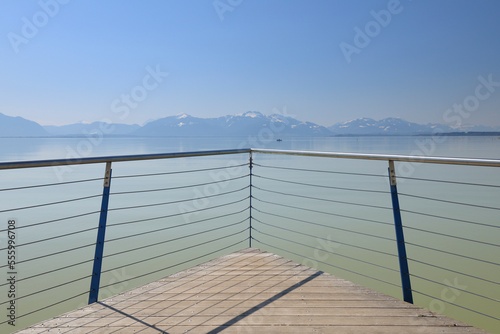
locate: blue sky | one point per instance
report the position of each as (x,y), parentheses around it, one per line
(325,61)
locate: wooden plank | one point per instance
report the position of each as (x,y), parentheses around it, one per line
(251,292)
(284,310)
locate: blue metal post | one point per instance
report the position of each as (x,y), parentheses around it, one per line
(250,219)
(403,261)
(99,247)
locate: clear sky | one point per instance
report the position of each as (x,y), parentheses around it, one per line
(325,61)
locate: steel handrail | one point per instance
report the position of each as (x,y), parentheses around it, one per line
(340,155)
(116,158)
(386,157)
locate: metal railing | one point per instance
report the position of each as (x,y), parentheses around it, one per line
(339,218)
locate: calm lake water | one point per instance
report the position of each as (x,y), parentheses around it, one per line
(13,149)
(352,218)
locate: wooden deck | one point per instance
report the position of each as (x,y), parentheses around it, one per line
(251,291)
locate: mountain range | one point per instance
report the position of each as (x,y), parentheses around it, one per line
(20,127)
(250,123)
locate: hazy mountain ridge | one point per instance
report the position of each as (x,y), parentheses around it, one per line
(89,128)
(250,123)
(20,127)
(386,126)
(398,126)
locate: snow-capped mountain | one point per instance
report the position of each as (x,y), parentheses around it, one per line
(248,123)
(179,125)
(386,126)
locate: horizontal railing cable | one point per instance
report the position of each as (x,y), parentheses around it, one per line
(178,214)
(55,220)
(450,182)
(170,252)
(49,306)
(51,203)
(451,236)
(179,187)
(176,226)
(177,201)
(56,253)
(177,264)
(453,271)
(49,288)
(183,262)
(52,184)
(54,237)
(173,252)
(335,228)
(223,263)
(449,218)
(330,214)
(454,287)
(319,171)
(309,246)
(319,261)
(321,186)
(325,239)
(327,226)
(170,240)
(451,253)
(323,199)
(180,172)
(449,202)
(52,271)
(460,306)
(180,225)
(48,255)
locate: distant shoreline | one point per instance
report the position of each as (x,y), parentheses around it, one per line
(454,134)
(457,134)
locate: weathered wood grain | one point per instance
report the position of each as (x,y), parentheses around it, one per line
(251,291)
